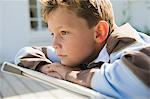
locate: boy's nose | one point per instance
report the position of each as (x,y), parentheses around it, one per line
(56,44)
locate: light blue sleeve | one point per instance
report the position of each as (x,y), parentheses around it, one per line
(117,81)
(52,54)
(145,37)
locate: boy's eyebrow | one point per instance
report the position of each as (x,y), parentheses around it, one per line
(57,28)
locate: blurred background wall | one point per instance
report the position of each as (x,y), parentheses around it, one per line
(135,12)
(0,32)
(14,27)
(21,23)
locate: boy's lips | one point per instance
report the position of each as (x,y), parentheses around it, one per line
(61,56)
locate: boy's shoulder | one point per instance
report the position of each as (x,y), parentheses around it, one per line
(123,37)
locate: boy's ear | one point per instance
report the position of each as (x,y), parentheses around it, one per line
(102,29)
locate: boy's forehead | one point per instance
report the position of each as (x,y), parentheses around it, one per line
(61,17)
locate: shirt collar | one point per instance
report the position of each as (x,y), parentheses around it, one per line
(103,56)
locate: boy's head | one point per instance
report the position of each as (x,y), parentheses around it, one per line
(79,28)
(91,10)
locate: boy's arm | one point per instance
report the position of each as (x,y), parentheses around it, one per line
(31,57)
(82,77)
(128,76)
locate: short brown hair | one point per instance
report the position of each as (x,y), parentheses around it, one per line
(91,10)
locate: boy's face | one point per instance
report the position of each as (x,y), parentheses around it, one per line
(72,38)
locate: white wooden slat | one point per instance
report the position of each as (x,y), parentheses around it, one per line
(5,88)
(40,91)
(50,92)
(19,88)
(64,94)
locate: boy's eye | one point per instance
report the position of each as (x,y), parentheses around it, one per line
(64,33)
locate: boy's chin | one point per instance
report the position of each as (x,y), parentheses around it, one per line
(68,64)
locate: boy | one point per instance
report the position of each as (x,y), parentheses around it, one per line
(92,50)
